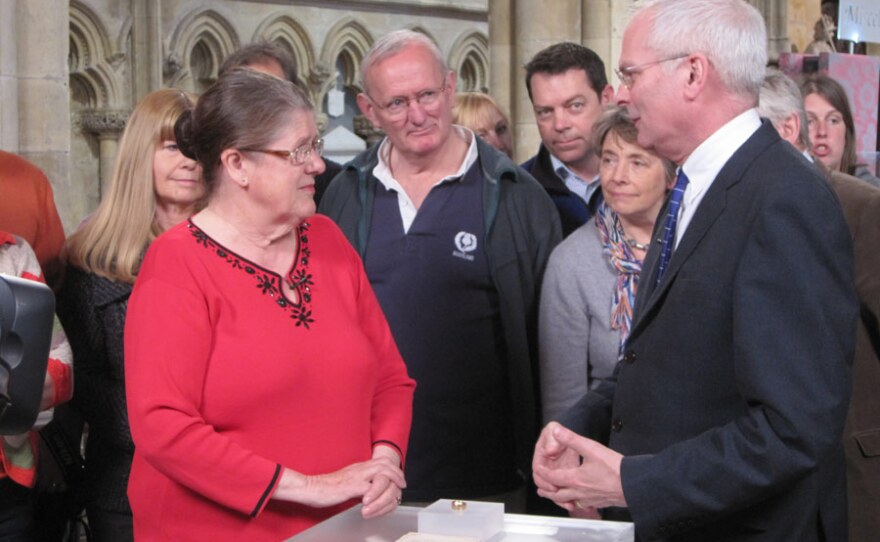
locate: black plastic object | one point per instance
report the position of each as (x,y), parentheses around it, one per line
(27,310)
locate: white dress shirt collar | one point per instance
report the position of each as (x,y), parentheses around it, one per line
(707,160)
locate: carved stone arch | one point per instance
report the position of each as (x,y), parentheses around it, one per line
(347,42)
(197,48)
(123,38)
(470,60)
(288,34)
(93,61)
(350,38)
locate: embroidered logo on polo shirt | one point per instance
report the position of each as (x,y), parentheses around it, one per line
(465,243)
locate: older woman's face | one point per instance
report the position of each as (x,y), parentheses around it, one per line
(496,132)
(177,180)
(827,130)
(285,188)
(633,180)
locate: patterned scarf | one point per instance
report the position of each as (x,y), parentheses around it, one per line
(628,268)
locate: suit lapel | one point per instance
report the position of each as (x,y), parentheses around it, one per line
(708,212)
(649,266)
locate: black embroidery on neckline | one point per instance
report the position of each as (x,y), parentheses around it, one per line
(269,282)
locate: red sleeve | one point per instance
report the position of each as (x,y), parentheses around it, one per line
(60,368)
(168,336)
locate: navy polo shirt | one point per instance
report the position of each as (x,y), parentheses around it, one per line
(434,285)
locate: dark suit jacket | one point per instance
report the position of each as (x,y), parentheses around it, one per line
(861,207)
(730,398)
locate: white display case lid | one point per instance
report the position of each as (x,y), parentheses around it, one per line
(349,526)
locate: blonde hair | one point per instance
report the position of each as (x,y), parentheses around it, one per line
(473,109)
(112,242)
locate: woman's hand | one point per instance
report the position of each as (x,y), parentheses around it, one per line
(336,487)
(384,494)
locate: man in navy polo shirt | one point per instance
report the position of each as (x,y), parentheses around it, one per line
(454,238)
(568,89)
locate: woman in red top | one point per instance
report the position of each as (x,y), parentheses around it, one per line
(265,391)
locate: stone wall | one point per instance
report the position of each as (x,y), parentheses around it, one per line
(71,70)
(70,77)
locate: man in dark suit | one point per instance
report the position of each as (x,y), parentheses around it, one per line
(783,105)
(724,416)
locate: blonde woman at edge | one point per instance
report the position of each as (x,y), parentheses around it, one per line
(153,188)
(480,113)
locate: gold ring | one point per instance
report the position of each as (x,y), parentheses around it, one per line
(459,506)
(578,504)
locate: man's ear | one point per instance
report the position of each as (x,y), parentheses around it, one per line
(790,129)
(698,74)
(368,108)
(607,95)
(451,83)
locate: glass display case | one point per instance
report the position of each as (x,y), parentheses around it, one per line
(349,526)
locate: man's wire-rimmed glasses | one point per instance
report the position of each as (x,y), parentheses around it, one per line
(400,104)
(627,75)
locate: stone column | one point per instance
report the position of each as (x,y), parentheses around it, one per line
(8,78)
(596,31)
(146,47)
(42,33)
(536,25)
(775,14)
(107,125)
(502,69)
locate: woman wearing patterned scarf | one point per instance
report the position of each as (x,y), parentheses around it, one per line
(590,285)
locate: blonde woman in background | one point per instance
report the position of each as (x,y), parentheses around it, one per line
(479,112)
(153,188)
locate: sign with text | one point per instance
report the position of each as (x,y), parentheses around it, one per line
(859,20)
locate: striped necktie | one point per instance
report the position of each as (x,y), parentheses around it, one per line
(671,220)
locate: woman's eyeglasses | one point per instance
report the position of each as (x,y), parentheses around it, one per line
(299,155)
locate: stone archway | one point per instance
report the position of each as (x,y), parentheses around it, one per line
(196,50)
(98,106)
(343,52)
(470,59)
(286,32)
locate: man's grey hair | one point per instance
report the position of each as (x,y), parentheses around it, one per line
(731,33)
(780,98)
(394,42)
